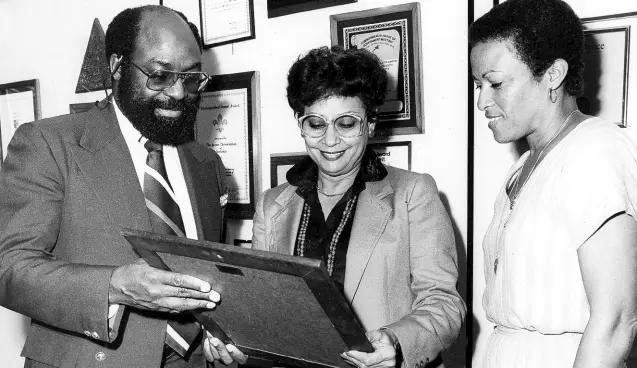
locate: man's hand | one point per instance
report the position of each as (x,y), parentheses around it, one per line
(145,287)
(214,349)
(384,355)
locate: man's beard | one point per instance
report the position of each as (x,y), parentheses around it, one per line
(140,110)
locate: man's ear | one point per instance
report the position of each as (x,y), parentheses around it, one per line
(556,73)
(114,63)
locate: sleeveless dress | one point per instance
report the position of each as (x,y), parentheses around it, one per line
(534,289)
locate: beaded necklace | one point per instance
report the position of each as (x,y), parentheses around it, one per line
(305,220)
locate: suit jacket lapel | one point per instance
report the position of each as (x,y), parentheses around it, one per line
(104,159)
(285,220)
(372,214)
(200,173)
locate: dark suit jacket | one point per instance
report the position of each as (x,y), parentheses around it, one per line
(67,187)
(401,269)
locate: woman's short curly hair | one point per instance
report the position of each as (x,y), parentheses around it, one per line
(325,72)
(541,31)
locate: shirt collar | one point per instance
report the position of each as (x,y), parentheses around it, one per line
(304,174)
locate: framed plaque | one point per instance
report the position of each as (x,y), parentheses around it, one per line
(226,21)
(609,74)
(393,34)
(19,104)
(280,163)
(228,122)
(277,8)
(277,307)
(396,154)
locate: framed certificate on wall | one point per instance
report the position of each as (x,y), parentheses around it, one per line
(393,34)
(19,104)
(609,74)
(228,122)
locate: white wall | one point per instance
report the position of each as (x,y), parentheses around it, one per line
(492,162)
(46,40)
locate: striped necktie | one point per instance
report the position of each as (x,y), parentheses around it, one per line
(165,218)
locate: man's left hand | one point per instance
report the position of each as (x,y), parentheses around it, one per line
(384,355)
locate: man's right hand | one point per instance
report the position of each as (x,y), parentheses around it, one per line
(144,287)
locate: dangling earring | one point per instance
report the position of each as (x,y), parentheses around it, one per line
(553,95)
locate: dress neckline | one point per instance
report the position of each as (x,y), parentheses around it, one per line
(525,156)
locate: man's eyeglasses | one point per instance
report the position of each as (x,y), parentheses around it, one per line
(347,125)
(160,80)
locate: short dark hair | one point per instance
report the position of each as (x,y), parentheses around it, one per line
(541,31)
(325,72)
(122,32)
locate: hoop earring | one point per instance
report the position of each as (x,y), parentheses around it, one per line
(553,95)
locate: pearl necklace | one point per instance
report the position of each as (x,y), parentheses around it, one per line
(305,220)
(539,158)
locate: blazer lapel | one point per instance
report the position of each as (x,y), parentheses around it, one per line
(372,214)
(104,159)
(285,221)
(200,173)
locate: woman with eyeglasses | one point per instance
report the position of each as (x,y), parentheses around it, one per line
(382,232)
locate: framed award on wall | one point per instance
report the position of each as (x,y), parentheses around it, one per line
(228,122)
(393,34)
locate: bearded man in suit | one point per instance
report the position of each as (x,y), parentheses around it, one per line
(71,183)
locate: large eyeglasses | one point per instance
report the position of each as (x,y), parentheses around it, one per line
(160,80)
(347,125)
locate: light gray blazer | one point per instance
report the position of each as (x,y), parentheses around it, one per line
(401,269)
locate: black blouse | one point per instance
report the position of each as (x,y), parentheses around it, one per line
(319,232)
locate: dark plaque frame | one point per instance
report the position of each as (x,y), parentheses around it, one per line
(278,8)
(257,288)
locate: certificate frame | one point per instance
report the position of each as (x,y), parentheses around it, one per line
(17,108)
(278,8)
(239,28)
(609,75)
(219,97)
(293,295)
(280,163)
(401,152)
(393,32)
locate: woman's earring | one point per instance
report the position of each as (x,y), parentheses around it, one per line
(553,95)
